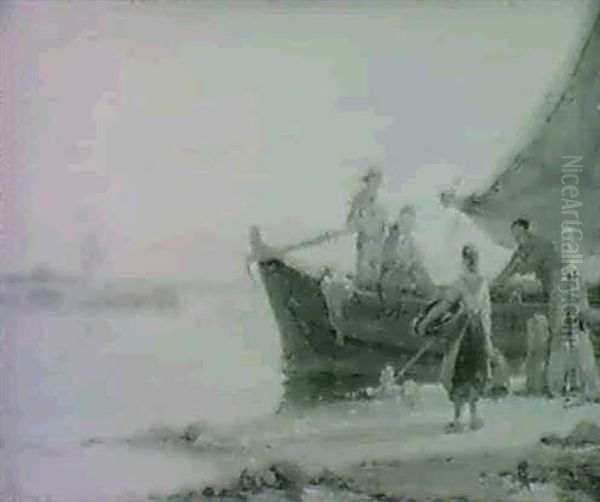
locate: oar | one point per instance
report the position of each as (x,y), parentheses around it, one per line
(319,239)
(415,358)
(261,251)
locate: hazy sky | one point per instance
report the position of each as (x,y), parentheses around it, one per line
(170,128)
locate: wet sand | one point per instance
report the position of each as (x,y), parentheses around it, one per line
(411,458)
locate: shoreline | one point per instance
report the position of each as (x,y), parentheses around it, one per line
(472,466)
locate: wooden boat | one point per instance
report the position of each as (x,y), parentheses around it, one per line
(376,334)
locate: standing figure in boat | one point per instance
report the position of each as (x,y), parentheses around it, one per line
(402,269)
(466,365)
(538,255)
(368,219)
(533,254)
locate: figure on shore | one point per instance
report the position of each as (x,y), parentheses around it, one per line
(466,365)
(538,255)
(368,219)
(402,269)
(537,348)
(572,353)
(590,319)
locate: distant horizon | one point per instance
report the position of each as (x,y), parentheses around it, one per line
(170,150)
(62,274)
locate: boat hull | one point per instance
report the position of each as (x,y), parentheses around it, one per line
(375,334)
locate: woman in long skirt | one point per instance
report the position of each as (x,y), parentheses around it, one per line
(466,365)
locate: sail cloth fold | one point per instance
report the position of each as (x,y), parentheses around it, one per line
(554,180)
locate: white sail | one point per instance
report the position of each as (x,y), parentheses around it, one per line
(532,183)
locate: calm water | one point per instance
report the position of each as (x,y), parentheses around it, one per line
(70,376)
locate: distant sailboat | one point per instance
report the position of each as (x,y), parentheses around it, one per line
(91,256)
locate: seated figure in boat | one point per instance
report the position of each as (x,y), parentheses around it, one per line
(367,218)
(402,269)
(466,367)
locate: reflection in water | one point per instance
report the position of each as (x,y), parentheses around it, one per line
(80,374)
